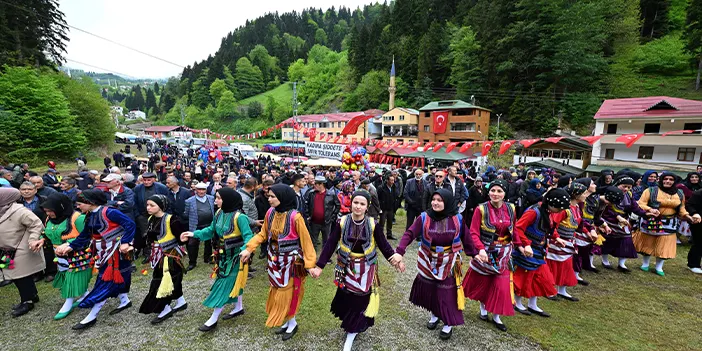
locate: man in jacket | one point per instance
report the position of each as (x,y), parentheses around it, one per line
(199,210)
(437,183)
(176,199)
(50,179)
(414,193)
(32,201)
(215,184)
(374,205)
(322,207)
(142,192)
(262,206)
(39,185)
(387,196)
(249,208)
(460,193)
(118,195)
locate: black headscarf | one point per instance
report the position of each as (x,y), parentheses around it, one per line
(693,186)
(231,200)
(564,181)
(160,200)
(501,183)
(584,181)
(575,189)
(61,205)
(557,198)
(449,205)
(93,197)
(614,195)
(363,193)
(624,180)
(671,190)
(286,196)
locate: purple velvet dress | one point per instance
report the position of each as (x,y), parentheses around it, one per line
(619,243)
(346,306)
(438,296)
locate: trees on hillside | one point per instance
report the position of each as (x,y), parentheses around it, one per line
(693,35)
(248,79)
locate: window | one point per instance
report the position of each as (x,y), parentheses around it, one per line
(323,125)
(645,152)
(693,126)
(609,154)
(402,117)
(427,114)
(338,133)
(426,128)
(400,140)
(389,118)
(686,154)
(654,128)
(612,128)
(462,127)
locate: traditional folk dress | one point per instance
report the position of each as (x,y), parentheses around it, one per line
(619,242)
(438,283)
(491,230)
(231,231)
(74,269)
(560,259)
(105,230)
(290,254)
(656,235)
(532,277)
(584,245)
(356,270)
(166,260)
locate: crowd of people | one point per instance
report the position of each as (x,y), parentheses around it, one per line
(501,237)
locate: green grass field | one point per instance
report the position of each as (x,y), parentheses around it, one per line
(638,311)
(281,94)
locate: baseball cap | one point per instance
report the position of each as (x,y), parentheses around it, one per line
(112,176)
(201,186)
(94,172)
(148,175)
(320,179)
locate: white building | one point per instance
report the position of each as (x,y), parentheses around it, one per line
(652,116)
(118,109)
(134,114)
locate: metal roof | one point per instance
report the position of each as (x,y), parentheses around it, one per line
(651,106)
(449,105)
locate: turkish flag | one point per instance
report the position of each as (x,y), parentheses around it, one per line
(427,146)
(380,144)
(365,142)
(675,132)
(505,146)
(336,139)
(592,139)
(486,147)
(438,146)
(440,121)
(629,139)
(466,146)
(313,137)
(451,146)
(529,142)
(416,145)
(554,140)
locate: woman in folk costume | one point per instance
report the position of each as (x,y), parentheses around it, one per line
(109,234)
(689,186)
(488,278)
(355,238)
(163,234)
(620,205)
(443,236)
(63,225)
(232,231)
(345,196)
(290,254)
(532,277)
(586,246)
(560,257)
(665,206)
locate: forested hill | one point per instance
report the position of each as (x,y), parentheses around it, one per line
(535,61)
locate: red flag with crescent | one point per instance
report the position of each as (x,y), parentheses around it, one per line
(416,146)
(365,142)
(592,139)
(554,140)
(505,146)
(676,132)
(486,147)
(629,139)
(427,146)
(380,144)
(438,146)
(440,121)
(451,146)
(466,146)
(529,142)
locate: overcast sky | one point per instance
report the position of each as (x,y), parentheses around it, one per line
(180,31)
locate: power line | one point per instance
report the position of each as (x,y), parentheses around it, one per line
(100,68)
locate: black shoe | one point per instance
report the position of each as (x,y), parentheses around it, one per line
(280,331)
(251,269)
(608,267)
(623,270)
(591,269)
(288,336)
(158,320)
(390,237)
(483,318)
(445,336)
(81,326)
(205,328)
(22,309)
(552,298)
(181,308)
(190,267)
(49,278)
(539,313)
(522,311)
(120,309)
(432,326)
(230,316)
(5,283)
(35,299)
(569,298)
(500,326)
(583,282)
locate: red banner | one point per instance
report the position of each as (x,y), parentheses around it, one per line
(438,146)
(505,146)
(427,146)
(554,140)
(440,121)
(592,139)
(629,139)
(466,146)
(486,147)
(451,146)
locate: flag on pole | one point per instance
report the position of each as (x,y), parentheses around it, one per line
(487,145)
(629,139)
(505,146)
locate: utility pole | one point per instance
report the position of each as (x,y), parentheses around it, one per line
(296,134)
(497,135)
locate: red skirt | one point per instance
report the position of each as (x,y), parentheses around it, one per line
(563,272)
(536,283)
(492,290)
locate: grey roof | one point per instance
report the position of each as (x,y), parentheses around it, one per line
(449,105)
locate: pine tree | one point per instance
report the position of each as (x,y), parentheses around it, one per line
(693,35)
(248,79)
(156,88)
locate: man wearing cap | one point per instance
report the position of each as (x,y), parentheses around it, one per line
(143,191)
(176,199)
(50,179)
(199,210)
(88,179)
(118,195)
(322,207)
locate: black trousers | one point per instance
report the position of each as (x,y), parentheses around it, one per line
(194,248)
(26,287)
(142,224)
(316,229)
(695,254)
(412,214)
(49,256)
(386,221)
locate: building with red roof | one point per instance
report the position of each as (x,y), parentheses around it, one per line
(330,124)
(670,131)
(160,132)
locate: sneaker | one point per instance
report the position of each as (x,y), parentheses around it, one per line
(696,270)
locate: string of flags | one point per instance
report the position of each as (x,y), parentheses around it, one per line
(627,139)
